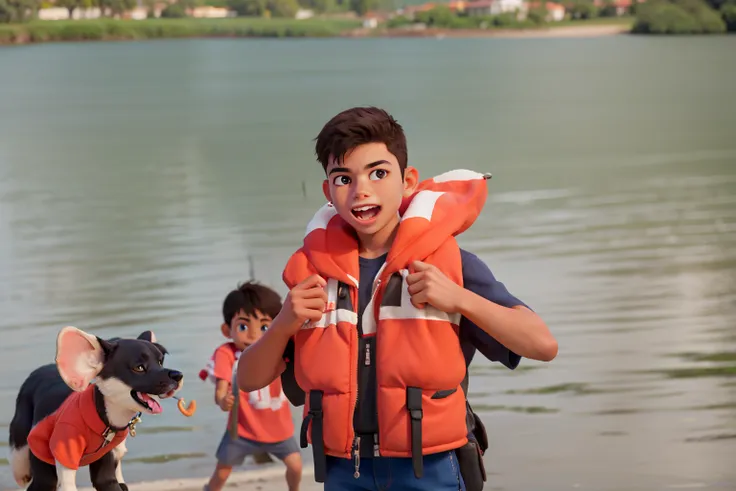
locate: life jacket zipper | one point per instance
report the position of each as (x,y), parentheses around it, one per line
(359,332)
(356,456)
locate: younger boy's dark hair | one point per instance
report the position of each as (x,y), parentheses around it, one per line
(249,297)
(358,126)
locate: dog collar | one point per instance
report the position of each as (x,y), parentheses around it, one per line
(110,432)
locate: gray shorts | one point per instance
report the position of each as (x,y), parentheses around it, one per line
(232,453)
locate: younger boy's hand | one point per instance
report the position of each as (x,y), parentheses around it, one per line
(226,403)
(305,302)
(429,285)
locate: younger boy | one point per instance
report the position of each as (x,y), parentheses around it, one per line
(263,416)
(385,312)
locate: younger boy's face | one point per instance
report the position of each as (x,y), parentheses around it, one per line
(245,329)
(367,188)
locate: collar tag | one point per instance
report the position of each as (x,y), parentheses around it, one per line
(133,422)
(108,435)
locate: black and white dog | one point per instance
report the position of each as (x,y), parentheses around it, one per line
(64,421)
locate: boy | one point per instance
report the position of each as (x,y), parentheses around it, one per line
(263,417)
(385,312)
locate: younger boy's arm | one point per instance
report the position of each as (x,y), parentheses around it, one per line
(262,362)
(518,329)
(223,395)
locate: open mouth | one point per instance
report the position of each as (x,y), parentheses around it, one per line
(366,213)
(147,402)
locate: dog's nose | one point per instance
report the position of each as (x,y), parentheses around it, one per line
(176,375)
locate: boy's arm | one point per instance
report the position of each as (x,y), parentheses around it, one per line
(517,328)
(223,395)
(263,361)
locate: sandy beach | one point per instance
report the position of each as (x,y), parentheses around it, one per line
(270,478)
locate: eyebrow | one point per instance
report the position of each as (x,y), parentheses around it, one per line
(368,166)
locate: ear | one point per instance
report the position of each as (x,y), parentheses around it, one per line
(225,329)
(326,190)
(148,336)
(411,180)
(161,348)
(79,357)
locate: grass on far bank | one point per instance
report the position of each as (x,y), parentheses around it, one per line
(597,21)
(112,29)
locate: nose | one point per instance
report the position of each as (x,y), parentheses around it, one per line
(176,375)
(362,188)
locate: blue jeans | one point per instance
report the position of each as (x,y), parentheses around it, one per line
(441,473)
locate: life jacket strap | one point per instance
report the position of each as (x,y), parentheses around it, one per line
(414,407)
(316,417)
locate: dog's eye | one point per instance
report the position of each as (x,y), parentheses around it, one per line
(242,327)
(264,327)
(139,368)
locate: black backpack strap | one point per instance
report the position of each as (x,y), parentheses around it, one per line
(293,392)
(315,416)
(414,406)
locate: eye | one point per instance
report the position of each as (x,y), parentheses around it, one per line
(378,174)
(242,327)
(264,327)
(139,368)
(341,180)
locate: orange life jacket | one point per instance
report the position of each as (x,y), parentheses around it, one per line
(420,365)
(74,435)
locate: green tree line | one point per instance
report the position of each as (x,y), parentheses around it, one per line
(14,11)
(686,17)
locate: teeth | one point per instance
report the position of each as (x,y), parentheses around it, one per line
(364,208)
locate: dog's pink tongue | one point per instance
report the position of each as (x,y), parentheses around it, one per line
(152,403)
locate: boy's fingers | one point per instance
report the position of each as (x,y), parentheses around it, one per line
(312,281)
(315,292)
(315,304)
(413,278)
(420,266)
(417,304)
(419,300)
(417,287)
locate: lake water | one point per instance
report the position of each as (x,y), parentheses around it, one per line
(140,180)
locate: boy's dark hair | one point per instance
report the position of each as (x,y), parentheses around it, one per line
(357,126)
(250,297)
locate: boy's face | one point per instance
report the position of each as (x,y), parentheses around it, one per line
(367,188)
(245,329)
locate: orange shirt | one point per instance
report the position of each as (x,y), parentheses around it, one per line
(72,435)
(264,415)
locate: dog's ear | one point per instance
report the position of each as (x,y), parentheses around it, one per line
(161,348)
(147,336)
(151,338)
(79,357)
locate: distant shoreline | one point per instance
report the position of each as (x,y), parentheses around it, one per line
(122,30)
(552,31)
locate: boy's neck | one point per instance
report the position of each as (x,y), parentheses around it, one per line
(376,245)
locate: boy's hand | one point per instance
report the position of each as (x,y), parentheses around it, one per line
(305,302)
(429,285)
(226,403)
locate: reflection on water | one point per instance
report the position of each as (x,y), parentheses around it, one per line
(135,193)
